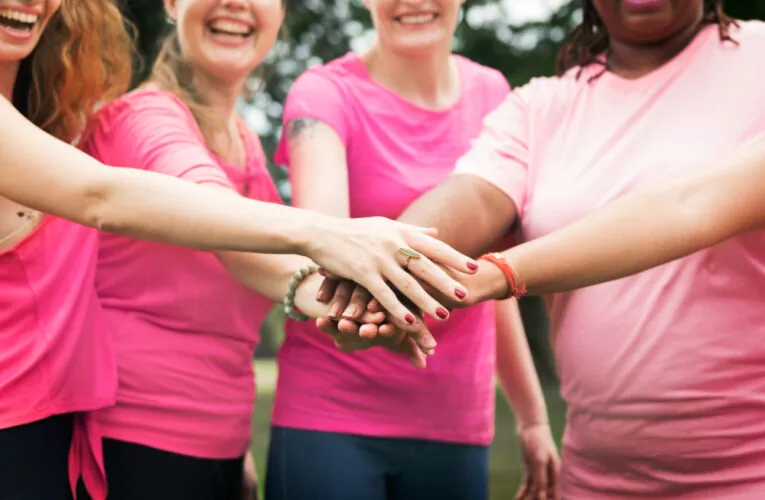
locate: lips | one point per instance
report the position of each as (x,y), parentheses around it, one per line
(416,19)
(21,22)
(231,27)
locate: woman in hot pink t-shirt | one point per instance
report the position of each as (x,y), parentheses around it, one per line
(185,323)
(662,371)
(361,140)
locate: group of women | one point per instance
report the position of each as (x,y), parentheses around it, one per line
(142,243)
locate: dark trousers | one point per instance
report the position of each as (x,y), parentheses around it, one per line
(34,460)
(311,465)
(136,472)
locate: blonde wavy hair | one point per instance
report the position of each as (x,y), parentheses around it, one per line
(83,59)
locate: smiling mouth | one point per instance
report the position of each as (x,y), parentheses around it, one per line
(416,19)
(230,28)
(18,21)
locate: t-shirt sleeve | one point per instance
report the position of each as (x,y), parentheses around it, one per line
(154,131)
(318,95)
(500,154)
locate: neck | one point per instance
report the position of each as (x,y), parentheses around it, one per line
(432,80)
(8,73)
(632,60)
(220,96)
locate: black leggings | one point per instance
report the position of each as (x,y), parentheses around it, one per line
(136,472)
(34,460)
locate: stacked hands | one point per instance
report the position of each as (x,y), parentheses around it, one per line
(380,285)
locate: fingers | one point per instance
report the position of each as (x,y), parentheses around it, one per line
(553,483)
(387,298)
(524,491)
(416,356)
(327,290)
(341,298)
(411,289)
(440,252)
(436,277)
(357,304)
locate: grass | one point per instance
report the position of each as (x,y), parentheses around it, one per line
(506,469)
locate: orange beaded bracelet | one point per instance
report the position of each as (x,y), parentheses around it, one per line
(499,260)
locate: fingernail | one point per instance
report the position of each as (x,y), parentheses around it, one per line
(334,312)
(350,312)
(473,266)
(460,293)
(410,319)
(442,313)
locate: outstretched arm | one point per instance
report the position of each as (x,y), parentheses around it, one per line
(647,228)
(44,173)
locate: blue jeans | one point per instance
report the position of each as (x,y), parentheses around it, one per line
(314,465)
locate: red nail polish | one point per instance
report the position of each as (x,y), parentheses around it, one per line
(460,293)
(473,266)
(410,319)
(442,313)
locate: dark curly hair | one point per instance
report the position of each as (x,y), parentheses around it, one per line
(589,41)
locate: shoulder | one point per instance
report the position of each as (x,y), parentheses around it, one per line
(339,75)
(139,105)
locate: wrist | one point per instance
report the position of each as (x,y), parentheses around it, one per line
(522,425)
(488,283)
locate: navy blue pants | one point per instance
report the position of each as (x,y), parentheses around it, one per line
(311,465)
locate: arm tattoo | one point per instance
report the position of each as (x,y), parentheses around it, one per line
(298,126)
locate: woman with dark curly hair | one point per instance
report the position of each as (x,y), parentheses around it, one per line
(662,371)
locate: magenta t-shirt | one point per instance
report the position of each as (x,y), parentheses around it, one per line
(56,353)
(185,330)
(663,372)
(396,151)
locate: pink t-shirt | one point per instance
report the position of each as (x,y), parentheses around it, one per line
(663,372)
(56,355)
(185,330)
(396,152)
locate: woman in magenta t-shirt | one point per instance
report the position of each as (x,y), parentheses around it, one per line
(186,323)
(365,135)
(663,371)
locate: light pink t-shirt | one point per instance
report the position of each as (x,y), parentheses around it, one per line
(185,330)
(663,372)
(396,152)
(56,355)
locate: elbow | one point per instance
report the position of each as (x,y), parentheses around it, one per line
(99,212)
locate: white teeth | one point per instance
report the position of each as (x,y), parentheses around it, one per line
(232,27)
(417,19)
(19,16)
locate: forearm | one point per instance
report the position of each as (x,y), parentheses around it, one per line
(469,213)
(515,367)
(649,227)
(137,203)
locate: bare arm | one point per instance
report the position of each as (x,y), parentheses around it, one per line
(44,173)
(515,367)
(470,213)
(649,227)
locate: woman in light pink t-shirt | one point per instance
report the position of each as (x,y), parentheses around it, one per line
(365,135)
(662,371)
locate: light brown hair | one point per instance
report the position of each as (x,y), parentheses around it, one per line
(83,59)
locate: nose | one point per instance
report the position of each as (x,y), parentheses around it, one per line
(235,4)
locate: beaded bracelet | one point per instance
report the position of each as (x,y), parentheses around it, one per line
(289,300)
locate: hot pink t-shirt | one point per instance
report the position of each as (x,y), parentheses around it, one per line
(185,330)
(663,372)
(396,151)
(56,354)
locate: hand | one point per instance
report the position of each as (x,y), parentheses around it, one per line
(542,464)
(350,339)
(368,252)
(250,487)
(357,316)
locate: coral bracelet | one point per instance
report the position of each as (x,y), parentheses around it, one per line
(499,260)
